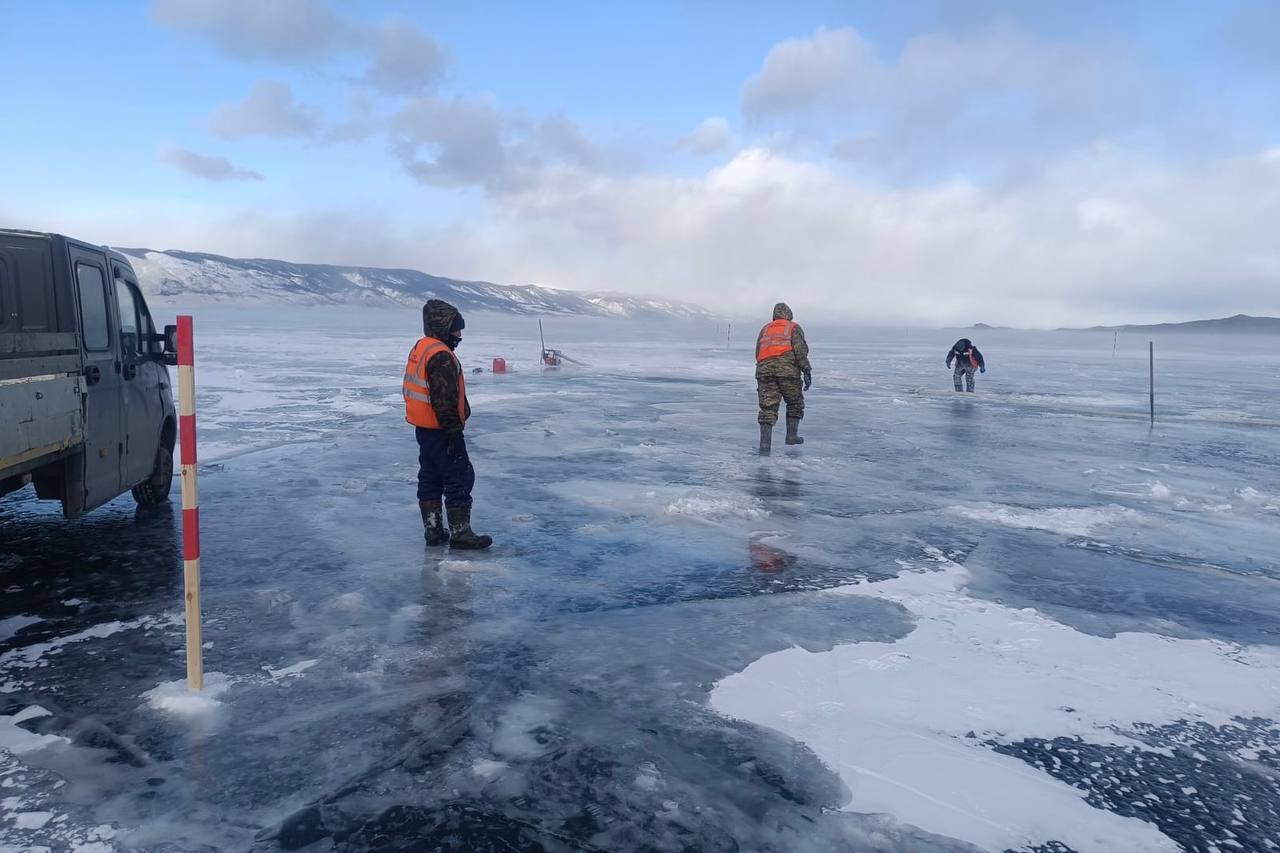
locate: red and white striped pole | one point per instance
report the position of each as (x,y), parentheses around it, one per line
(190,500)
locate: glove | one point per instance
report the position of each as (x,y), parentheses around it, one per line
(808,381)
(454,445)
(982,370)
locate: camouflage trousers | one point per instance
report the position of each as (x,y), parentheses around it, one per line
(773,390)
(965,372)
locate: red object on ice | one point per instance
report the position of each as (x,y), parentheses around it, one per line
(499,365)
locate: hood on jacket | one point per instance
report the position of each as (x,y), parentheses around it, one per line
(782,311)
(438,319)
(963,345)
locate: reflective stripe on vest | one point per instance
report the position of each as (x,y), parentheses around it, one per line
(417,389)
(775,340)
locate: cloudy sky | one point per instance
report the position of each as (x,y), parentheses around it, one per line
(918,162)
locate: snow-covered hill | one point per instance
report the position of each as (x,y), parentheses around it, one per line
(189,277)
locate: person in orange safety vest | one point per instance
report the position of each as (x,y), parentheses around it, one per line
(783,372)
(435,403)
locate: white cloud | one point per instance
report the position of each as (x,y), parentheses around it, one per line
(458,142)
(402,59)
(405,59)
(1101,237)
(712,136)
(988,100)
(268,110)
(283,30)
(834,67)
(465,141)
(204,166)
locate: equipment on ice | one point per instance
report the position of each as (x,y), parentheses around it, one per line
(554,357)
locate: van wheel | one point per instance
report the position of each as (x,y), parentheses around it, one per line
(155,490)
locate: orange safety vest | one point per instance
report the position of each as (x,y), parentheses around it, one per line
(775,340)
(417,391)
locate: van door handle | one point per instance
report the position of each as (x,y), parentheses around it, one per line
(130,371)
(92,374)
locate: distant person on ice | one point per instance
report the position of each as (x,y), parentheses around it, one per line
(782,358)
(435,402)
(967,359)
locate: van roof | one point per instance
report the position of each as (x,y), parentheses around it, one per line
(50,235)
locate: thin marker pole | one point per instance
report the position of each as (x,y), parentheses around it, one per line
(1151,363)
(190,500)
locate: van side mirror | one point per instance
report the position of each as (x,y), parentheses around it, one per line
(171,345)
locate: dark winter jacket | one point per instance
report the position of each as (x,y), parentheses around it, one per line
(794,364)
(443,370)
(961,351)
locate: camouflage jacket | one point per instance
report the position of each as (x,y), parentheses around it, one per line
(443,370)
(794,364)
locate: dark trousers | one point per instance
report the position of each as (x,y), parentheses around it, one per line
(964,372)
(439,473)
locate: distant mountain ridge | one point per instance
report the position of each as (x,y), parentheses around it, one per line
(1239,324)
(171,276)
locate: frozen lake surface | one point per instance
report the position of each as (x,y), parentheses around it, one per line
(1014,620)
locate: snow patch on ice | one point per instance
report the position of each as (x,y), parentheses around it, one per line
(177,699)
(18,740)
(487,769)
(351,601)
(648,778)
(479,565)
(515,736)
(1069,521)
(11,626)
(291,671)
(1253,497)
(1147,489)
(32,820)
(904,723)
(32,656)
(715,508)
(1200,506)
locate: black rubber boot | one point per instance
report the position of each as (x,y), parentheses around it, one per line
(461,536)
(766,439)
(793,431)
(433,522)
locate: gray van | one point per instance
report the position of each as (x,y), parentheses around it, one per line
(86,403)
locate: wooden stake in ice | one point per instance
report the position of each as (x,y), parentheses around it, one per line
(190,500)
(1151,364)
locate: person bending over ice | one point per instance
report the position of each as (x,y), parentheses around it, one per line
(967,359)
